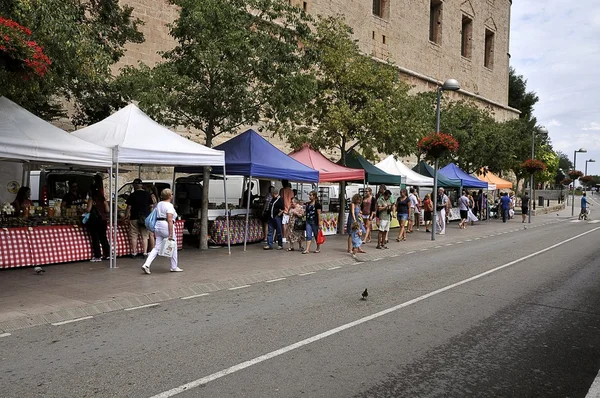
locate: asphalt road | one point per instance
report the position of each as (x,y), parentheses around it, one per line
(432,326)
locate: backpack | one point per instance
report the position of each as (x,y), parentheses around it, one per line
(150,221)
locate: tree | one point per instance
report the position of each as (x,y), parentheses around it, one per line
(236,62)
(564,163)
(518,96)
(83,39)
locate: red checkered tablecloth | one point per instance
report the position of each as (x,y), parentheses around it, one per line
(21,247)
(15,250)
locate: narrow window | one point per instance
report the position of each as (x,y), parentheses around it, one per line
(373,35)
(305,6)
(467,35)
(381,8)
(377,8)
(383,39)
(435,21)
(488,60)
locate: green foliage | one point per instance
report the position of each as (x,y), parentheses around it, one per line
(564,163)
(230,68)
(358,101)
(518,96)
(83,40)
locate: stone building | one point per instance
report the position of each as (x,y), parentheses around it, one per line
(428,40)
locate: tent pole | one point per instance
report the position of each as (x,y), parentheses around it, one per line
(226,209)
(110,215)
(248,184)
(116,215)
(140,171)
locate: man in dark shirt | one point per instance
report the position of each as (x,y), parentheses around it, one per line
(275,213)
(139,204)
(505,205)
(525,206)
(73,197)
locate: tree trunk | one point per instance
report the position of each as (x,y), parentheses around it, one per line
(205,182)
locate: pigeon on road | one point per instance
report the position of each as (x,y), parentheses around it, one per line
(365,294)
(39,270)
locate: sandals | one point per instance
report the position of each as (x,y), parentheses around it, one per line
(291,249)
(361,251)
(305,252)
(317,251)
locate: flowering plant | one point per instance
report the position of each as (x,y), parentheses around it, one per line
(575,174)
(533,165)
(7,208)
(17,52)
(566,181)
(435,144)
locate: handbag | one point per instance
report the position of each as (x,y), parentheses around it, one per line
(320,237)
(150,221)
(167,248)
(300,224)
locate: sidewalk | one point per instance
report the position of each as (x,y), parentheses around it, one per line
(74,290)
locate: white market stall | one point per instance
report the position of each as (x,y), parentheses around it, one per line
(396,167)
(137,139)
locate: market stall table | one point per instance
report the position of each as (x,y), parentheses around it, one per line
(41,245)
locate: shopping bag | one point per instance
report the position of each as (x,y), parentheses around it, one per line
(151,220)
(320,237)
(167,248)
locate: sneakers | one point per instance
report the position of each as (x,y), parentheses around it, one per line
(279,247)
(177,270)
(133,255)
(268,248)
(146,269)
(95,260)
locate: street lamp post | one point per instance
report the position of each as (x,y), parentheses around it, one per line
(586,162)
(449,85)
(581,150)
(541,131)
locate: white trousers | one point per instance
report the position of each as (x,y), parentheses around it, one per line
(441,222)
(162,232)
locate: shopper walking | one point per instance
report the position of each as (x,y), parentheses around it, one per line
(524,207)
(427,211)
(275,213)
(403,208)
(463,207)
(385,208)
(139,205)
(442,205)
(313,221)
(354,216)
(505,206)
(414,210)
(294,233)
(368,213)
(164,229)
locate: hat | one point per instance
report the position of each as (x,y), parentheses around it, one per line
(137,181)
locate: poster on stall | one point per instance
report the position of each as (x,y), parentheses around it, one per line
(11,174)
(329,223)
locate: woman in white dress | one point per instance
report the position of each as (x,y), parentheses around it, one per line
(165,229)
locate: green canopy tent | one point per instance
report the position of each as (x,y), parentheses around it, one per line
(443,181)
(373,174)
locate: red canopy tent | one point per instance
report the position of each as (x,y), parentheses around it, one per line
(328,171)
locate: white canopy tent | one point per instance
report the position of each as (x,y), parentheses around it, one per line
(396,167)
(137,139)
(26,137)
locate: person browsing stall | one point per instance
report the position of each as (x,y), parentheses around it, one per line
(275,213)
(139,205)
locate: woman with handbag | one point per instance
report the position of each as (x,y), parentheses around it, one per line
(164,230)
(97,208)
(297,226)
(313,221)
(355,216)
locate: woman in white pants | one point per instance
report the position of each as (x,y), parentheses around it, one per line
(165,229)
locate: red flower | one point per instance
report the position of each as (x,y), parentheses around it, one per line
(438,142)
(575,174)
(16,45)
(533,165)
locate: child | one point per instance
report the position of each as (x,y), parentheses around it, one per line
(356,235)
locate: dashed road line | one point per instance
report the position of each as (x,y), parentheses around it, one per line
(194,296)
(238,287)
(142,306)
(332,268)
(275,280)
(5,334)
(307,273)
(410,252)
(72,320)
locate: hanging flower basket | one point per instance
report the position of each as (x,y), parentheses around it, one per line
(575,174)
(437,144)
(566,181)
(19,54)
(533,166)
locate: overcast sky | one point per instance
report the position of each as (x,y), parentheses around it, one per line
(555,45)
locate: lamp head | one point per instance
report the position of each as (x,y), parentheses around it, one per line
(581,150)
(591,161)
(451,85)
(543,131)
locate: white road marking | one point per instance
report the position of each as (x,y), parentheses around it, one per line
(449,244)
(306,273)
(332,268)
(594,391)
(471,240)
(320,336)
(423,250)
(575,220)
(593,222)
(410,252)
(5,334)
(238,287)
(72,320)
(141,306)
(194,296)
(460,241)
(436,247)
(275,280)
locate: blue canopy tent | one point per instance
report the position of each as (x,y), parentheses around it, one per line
(443,181)
(248,154)
(453,172)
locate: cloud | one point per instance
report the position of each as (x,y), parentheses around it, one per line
(554,46)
